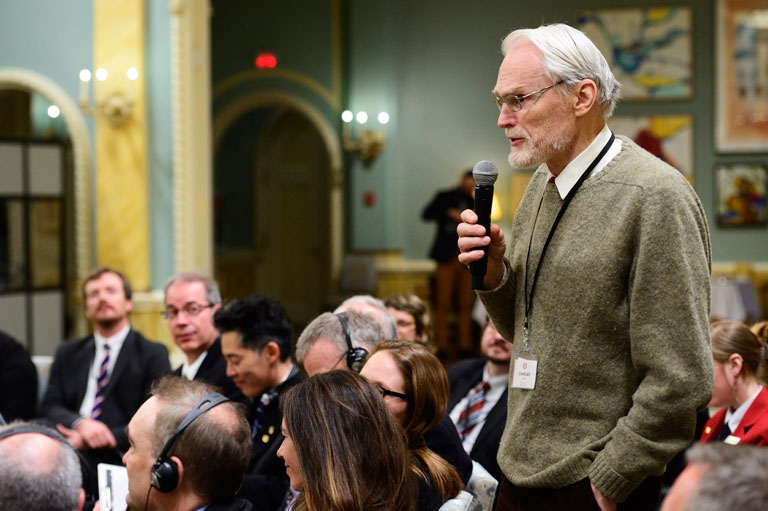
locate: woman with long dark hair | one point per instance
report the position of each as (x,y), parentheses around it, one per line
(343,450)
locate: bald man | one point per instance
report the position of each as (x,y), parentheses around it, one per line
(39,470)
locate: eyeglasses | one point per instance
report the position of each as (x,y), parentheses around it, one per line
(387,392)
(515,103)
(190,310)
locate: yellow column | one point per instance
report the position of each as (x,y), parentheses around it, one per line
(122,208)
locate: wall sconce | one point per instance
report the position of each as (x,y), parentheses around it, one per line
(369,143)
(116,106)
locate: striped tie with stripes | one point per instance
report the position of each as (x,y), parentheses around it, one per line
(470,416)
(101,384)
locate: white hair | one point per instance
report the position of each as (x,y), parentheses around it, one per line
(571,56)
(385,319)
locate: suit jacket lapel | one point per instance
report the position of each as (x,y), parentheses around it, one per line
(123,360)
(81,368)
(755,412)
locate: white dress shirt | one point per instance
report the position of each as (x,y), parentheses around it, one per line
(189,371)
(733,418)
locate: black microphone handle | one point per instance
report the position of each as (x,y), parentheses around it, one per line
(483,202)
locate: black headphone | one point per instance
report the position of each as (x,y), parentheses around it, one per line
(355,356)
(165,472)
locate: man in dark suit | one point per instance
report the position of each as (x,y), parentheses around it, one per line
(191,299)
(478,401)
(451,277)
(18,381)
(97,383)
(256,336)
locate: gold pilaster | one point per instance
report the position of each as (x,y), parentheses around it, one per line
(122,209)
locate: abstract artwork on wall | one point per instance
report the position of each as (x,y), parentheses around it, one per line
(741,191)
(649,50)
(742,76)
(669,137)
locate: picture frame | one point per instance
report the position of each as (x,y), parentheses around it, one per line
(649,49)
(669,137)
(741,123)
(740,192)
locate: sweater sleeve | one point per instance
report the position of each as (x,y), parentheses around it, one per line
(669,296)
(499,303)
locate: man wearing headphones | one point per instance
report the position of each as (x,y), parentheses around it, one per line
(39,470)
(256,336)
(332,341)
(189,450)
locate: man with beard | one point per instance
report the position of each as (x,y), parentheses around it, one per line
(478,401)
(604,292)
(98,382)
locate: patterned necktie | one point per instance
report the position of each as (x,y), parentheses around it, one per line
(724,433)
(101,384)
(470,416)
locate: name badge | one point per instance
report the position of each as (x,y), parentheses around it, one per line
(524,376)
(732,440)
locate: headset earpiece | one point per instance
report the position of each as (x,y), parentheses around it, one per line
(355,356)
(165,473)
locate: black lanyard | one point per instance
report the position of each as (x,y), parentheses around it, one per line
(566,202)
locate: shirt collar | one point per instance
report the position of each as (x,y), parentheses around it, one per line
(566,180)
(495,381)
(733,418)
(188,370)
(115,342)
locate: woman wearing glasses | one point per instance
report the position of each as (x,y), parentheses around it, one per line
(415,389)
(342,448)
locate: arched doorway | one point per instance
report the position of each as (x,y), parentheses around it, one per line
(273,182)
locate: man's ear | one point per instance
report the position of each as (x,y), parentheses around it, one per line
(271,352)
(80,499)
(180,469)
(585,93)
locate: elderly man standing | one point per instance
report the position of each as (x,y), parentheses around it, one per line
(604,292)
(191,299)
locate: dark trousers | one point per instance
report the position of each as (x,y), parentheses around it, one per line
(577,496)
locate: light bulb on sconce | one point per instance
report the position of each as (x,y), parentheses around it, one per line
(116,104)
(369,143)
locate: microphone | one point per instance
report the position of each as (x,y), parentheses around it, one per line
(485,174)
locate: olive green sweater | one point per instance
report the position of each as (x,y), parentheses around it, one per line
(619,326)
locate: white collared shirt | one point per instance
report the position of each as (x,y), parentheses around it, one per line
(497,385)
(566,180)
(189,371)
(115,345)
(733,418)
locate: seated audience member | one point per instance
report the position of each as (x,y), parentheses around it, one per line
(740,359)
(186,468)
(412,317)
(39,470)
(721,477)
(256,336)
(18,381)
(191,300)
(342,449)
(337,341)
(478,401)
(98,382)
(367,304)
(415,389)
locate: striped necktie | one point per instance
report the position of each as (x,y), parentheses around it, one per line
(101,384)
(470,416)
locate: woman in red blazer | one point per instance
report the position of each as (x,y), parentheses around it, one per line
(740,362)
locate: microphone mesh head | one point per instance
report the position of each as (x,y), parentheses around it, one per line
(485,173)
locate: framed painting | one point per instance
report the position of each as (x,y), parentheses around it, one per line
(648,49)
(669,137)
(742,76)
(740,191)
